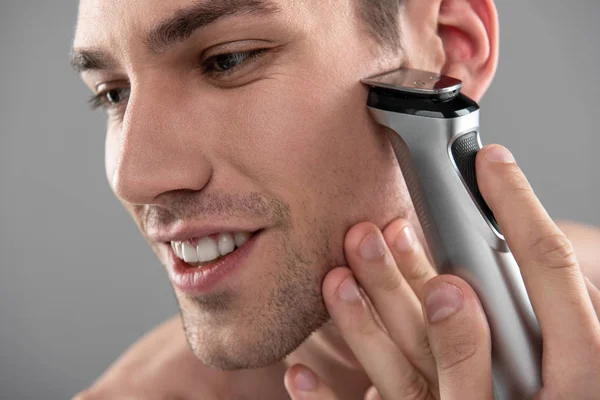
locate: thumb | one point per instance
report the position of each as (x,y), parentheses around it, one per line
(459,337)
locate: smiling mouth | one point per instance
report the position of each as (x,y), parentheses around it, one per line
(207,250)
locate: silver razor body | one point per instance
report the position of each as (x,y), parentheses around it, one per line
(434,131)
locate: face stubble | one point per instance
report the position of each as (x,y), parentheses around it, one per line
(226,334)
(304,241)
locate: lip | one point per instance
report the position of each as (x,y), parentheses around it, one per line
(181,232)
(199,281)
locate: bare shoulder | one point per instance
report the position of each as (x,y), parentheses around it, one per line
(158,366)
(586,242)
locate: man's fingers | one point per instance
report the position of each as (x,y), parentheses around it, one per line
(395,302)
(409,255)
(303,384)
(545,256)
(460,339)
(594,296)
(383,361)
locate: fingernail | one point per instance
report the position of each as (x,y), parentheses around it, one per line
(305,380)
(442,302)
(348,290)
(405,240)
(372,247)
(499,154)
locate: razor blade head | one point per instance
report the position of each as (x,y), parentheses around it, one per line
(416,82)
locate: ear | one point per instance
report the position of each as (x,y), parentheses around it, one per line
(468,30)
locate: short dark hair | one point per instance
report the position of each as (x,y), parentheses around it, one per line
(381,19)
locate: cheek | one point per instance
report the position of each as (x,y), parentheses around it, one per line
(316,150)
(299,132)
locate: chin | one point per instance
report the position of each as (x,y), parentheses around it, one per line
(249,351)
(259,339)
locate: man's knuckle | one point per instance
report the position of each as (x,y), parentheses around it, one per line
(414,387)
(390,283)
(513,185)
(459,350)
(362,323)
(416,270)
(554,251)
(515,179)
(367,326)
(424,345)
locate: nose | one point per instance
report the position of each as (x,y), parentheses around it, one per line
(158,149)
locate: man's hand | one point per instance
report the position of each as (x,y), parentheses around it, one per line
(421,336)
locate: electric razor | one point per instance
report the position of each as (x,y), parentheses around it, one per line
(434,131)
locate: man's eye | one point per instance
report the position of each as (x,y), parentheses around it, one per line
(112,98)
(224,64)
(217,66)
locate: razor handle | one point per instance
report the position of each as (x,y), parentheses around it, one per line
(435,136)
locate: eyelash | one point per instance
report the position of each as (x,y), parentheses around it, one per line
(100,100)
(243,58)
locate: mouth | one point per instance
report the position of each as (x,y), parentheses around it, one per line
(202,252)
(197,265)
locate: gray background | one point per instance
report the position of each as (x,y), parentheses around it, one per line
(71,297)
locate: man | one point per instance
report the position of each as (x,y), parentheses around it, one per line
(239,141)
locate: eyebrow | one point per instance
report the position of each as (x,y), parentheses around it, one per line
(87,59)
(188,20)
(178,28)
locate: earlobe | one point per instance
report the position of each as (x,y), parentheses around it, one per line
(469,33)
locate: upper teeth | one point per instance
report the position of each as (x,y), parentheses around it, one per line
(207,248)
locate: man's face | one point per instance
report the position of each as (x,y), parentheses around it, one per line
(275,138)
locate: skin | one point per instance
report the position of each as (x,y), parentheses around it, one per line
(456,363)
(244,153)
(190,147)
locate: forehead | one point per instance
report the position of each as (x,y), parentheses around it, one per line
(101,21)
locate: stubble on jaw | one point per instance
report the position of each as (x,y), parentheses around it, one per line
(289,313)
(292,305)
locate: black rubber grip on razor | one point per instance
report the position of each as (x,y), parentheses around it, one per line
(464,151)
